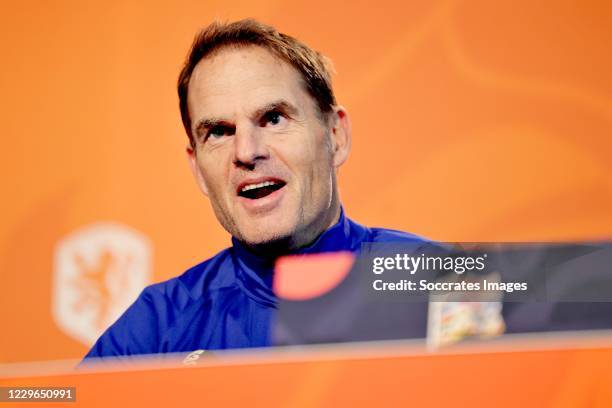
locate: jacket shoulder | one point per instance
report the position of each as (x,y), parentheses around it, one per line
(140,328)
(378,234)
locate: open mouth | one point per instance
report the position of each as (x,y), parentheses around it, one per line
(260,190)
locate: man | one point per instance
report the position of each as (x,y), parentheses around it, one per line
(266,138)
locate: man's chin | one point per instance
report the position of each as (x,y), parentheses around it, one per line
(268,239)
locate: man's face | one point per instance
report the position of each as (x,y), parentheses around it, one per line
(263,154)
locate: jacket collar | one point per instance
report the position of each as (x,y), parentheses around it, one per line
(255,273)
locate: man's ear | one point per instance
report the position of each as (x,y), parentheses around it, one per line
(195,169)
(340,135)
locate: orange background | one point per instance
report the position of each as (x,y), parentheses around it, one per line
(472,120)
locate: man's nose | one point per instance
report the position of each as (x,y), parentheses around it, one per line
(249,147)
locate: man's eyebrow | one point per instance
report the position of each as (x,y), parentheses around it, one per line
(279,105)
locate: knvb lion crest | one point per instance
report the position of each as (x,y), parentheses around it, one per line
(99,271)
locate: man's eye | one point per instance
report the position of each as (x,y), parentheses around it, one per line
(272,118)
(218,131)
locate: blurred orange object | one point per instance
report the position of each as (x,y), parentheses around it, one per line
(303,277)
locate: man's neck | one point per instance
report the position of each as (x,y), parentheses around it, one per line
(292,244)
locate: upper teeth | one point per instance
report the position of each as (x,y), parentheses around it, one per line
(254,186)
